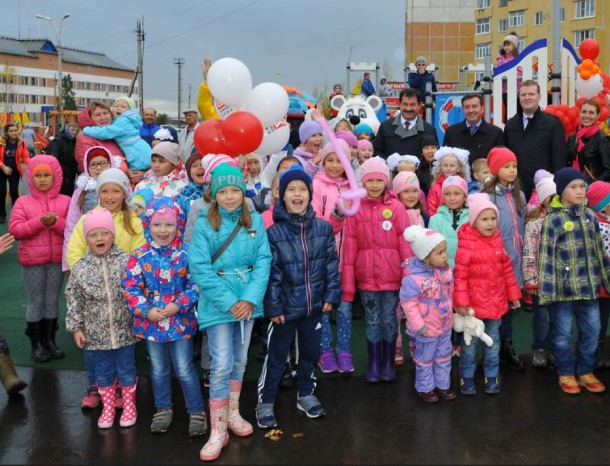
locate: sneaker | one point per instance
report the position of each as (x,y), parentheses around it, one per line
(161,421)
(399,358)
(311,406)
(539,358)
(569,385)
(492,386)
(91,399)
(198,424)
(467,386)
(591,383)
(327,362)
(344,362)
(265,418)
(457,350)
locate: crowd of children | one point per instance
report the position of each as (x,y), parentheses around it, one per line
(210,246)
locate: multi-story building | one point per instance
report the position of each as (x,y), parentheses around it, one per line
(443,32)
(579,20)
(29,70)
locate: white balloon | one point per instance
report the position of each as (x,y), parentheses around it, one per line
(230,81)
(269,102)
(223,110)
(589,87)
(275,138)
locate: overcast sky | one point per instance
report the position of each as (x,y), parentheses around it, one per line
(301,43)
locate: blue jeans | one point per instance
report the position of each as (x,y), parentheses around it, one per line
(541,326)
(90,366)
(380,314)
(491,355)
(604,314)
(229,355)
(344,329)
(586,313)
(180,355)
(119,362)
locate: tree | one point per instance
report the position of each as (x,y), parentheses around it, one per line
(162,119)
(322,101)
(67,91)
(7,81)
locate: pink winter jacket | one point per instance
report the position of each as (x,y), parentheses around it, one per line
(39,244)
(435,195)
(373,246)
(84,143)
(325,196)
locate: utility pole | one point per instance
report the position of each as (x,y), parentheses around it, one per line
(190,89)
(140,35)
(179,62)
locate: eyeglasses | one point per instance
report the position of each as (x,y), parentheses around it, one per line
(102,164)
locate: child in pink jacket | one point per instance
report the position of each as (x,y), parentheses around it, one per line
(373,251)
(425,297)
(37,221)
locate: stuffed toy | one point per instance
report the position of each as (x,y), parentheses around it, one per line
(365,110)
(472,327)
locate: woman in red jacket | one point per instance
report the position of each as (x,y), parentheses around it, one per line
(13,153)
(484,282)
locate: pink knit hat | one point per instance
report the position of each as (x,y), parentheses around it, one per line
(403,181)
(167,150)
(364,143)
(455,180)
(213,162)
(598,195)
(375,167)
(98,218)
(164,213)
(477,203)
(329,148)
(349,137)
(545,188)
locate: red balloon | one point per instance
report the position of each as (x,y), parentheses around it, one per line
(567,124)
(573,114)
(550,109)
(559,114)
(603,114)
(563,108)
(242,132)
(589,49)
(208,138)
(580,101)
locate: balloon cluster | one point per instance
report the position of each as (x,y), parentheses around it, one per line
(252,118)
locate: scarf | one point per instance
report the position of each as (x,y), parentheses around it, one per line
(585,132)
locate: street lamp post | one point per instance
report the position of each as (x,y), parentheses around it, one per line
(59,74)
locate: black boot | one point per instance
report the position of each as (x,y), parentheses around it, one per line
(50,327)
(388,352)
(509,356)
(601,360)
(35,331)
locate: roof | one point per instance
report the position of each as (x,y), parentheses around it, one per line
(30,48)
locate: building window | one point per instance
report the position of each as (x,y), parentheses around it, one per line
(43,82)
(503,2)
(521,44)
(538,18)
(483,4)
(482,50)
(562,15)
(502,25)
(585,9)
(483,26)
(516,18)
(34,99)
(26,81)
(582,35)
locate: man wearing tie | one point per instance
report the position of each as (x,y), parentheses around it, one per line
(537,138)
(403,133)
(474,134)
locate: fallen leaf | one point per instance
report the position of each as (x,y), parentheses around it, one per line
(298,435)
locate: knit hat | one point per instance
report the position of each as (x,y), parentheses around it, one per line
(127,99)
(295,172)
(403,181)
(308,129)
(166,133)
(164,213)
(189,163)
(423,240)
(98,218)
(213,162)
(394,159)
(598,195)
(566,176)
(227,175)
(167,150)
(364,143)
(541,173)
(141,198)
(97,151)
(545,188)
(428,141)
(116,176)
(42,167)
(349,137)
(457,181)
(477,203)
(513,39)
(461,154)
(421,59)
(375,167)
(330,148)
(363,128)
(498,157)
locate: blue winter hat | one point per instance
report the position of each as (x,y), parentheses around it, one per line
(566,176)
(295,172)
(166,133)
(363,128)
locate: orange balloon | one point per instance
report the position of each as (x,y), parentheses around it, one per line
(587,64)
(594,69)
(585,74)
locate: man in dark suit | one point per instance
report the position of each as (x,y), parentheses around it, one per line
(474,134)
(403,133)
(537,138)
